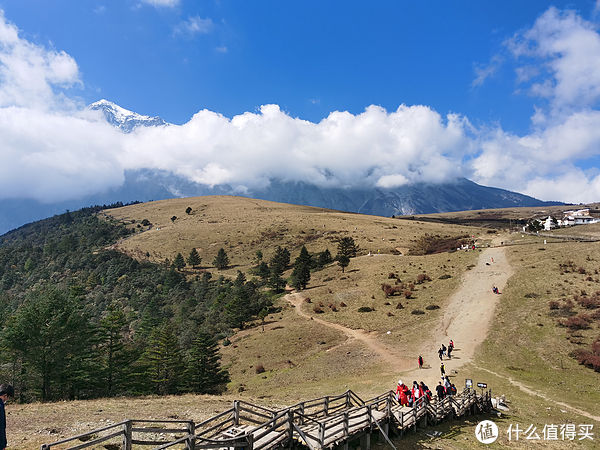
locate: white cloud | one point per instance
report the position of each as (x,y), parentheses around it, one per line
(161,3)
(483,72)
(567,49)
(52,149)
(31,75)
(195,25)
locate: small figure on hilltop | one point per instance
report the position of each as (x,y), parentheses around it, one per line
(447,385)
(495,290)
(450,348)
(442,370)
(440,353)
(444,350)
(6,390)
(451,344)
(420,362)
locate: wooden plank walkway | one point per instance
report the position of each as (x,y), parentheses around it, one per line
(321,423)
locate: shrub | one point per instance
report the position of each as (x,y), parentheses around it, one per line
(389,314)
(554,305)
(391,275)
(580,322)
(399,306)
(581,270)
(342,304)
(407,294)
(432,307)
(259,368)
(531,295)
(308,300)
(417,311)
(422,278)
(365,309)
(589,302)
(445,276)
(318,310)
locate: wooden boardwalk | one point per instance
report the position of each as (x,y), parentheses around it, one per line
(322,423)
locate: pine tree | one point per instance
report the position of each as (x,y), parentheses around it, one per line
(203,373)
(301,273)
(221,261)
(115,356)
(280,260)
(194,258)
(347,247)
(163,357)
(324,258)
(178,262)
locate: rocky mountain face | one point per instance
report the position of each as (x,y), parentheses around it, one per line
(145,185)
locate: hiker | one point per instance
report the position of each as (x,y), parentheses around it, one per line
(426,390)
(450,352)
(6,390)
(440,353)
(451,344)
(444,350)
(442,370)
(417,394)
(420,362)
(453,389)
(447,384)
(439,389)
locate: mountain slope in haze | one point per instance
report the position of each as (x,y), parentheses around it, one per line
(149,184)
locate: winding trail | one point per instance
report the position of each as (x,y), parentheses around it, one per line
(530,391)
(397,362)
(467,318)
(468,315)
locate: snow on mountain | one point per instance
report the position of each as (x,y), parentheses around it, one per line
(124,119)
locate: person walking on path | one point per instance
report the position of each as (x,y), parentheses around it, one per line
(450,352)
(440,391)
(442,370)
(6,390)
(420,362)
(443,350)
(440,353)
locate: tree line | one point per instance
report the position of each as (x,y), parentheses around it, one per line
(79,320)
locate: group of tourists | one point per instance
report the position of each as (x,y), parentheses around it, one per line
(414,395)
(446,351)
(445,388)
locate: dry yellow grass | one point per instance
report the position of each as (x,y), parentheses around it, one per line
(303,359)
(242,226)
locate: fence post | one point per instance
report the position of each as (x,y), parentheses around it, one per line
(302,412)
(236,412)
(321,434)
(191,442)
(127,435)
(291,427)
(326,405)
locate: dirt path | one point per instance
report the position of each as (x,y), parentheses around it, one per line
(530,391)
(397,363)
(468,315)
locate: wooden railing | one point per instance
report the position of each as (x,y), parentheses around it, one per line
(318,423)
(125,431)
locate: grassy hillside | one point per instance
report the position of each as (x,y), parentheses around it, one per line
(530,345)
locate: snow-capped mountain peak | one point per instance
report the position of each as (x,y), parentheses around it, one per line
(124,119)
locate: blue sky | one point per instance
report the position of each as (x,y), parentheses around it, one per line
(493,70)
(309,57)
